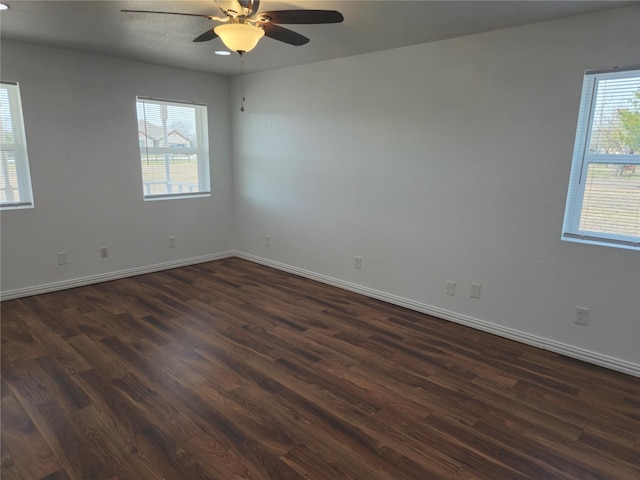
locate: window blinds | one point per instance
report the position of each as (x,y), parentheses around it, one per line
(604,194)
(15,183)
(173,140)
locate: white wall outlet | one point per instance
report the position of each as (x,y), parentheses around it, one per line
(475,290)
(451,288)
(582,316)
(172,242)
(104,252)
(358,263)
(267,241)
(62,258)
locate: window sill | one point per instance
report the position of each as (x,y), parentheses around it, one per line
(605,242)
(153,198)
(16,206)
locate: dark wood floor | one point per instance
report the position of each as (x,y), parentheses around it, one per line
(230,370)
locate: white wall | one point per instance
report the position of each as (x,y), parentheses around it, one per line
(80,119)
(443,161)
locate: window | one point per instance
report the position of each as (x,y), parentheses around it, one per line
(174,148)
(15,181)
(603,203)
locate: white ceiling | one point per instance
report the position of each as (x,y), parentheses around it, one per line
(370,25)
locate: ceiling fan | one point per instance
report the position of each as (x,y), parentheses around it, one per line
(241,26)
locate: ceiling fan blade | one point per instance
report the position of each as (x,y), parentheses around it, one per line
(284,34)
(303,16)
(206,36)
(169,13)
(252,5)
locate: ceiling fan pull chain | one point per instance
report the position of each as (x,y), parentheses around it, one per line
(242,82)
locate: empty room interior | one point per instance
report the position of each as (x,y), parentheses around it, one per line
(391,240)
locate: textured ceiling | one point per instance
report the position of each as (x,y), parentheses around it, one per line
(100,27)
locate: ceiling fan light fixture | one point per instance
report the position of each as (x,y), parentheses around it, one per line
(239,37)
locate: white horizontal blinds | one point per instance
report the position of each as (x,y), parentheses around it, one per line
(173,147)
(603,204)
(15,184)
(615,127)
(611,203)
(611,199)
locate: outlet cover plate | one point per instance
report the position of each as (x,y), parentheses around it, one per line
(451,288)
(582,316)
(62,258)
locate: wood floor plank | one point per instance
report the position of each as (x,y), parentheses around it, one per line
(18,345)
(232,370)
(103,433)
(28,451)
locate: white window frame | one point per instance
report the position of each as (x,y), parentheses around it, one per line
(19,149)
(201,150)
(582,158)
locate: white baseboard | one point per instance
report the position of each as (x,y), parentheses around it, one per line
(510,333)
(105,277)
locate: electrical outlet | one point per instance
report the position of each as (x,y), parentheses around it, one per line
(451,288)
(475,290)
(104,252)
(62,258)
(267,241)
(358,263)
(172,242)
(582,316)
